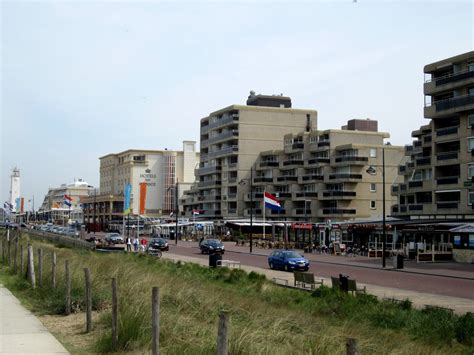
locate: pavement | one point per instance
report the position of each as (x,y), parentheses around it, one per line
(419,299)
(21,332)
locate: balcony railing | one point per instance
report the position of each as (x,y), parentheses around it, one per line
(224,120)
(209,183)
(206,198)
(297,145)
(260,179)
(311,177)
(351,159)
(450,78)
(416,207)
(318,161)
(446,131)
(209,170)
(231,195)
(225,135)
(324,143)
(447,205)
(282,211)
(345,176)
(414,184)
(264,164)
(454,102)
(225,151)
(306,194)
(293,162)
(427,139)
(302,211)
(333,211)
(447,180)
(287,178)
(423,161)
(338,193)
(283,194)
(446,156)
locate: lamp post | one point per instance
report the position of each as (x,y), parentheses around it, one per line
(176,212)
(241,182)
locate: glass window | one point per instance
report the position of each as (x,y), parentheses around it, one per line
(373,187)
(373,152)
(470,144)
(471,197)
(372,205)
(470,120)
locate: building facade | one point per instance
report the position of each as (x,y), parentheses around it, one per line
(159,169)
(329,174)
(231,141)
(54,208)
(439,174)
(14,188)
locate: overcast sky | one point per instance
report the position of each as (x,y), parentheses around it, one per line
(83,79)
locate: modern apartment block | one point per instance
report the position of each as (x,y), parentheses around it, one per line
(439,176)
(333,174)
(159,169)
(231,141)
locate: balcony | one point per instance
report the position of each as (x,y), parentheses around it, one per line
(317,161)
(447,205)
(276,212)
(260,179)
(423,161)
(302,212)
(255,211)
(446,156)
(352,159)
(297,145)
(293,162)
(226,151)
(232,211)
(204,143)
(287,178)
(231,196)
(209,170)
(427,140)
(209,183)
(338,211)
(232,180)
(415,184)
(447,180)
(415,207)
(312,177)
(325,143)
(232,134)
(283,194)
(306,194)
(210,213)
(226,119)
(451,78)
(338,193)
(209,198)
(447,131)
(255,196)
(204,129)
(449,106)
(345,176)
(273,164)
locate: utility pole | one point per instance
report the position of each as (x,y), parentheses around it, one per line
(384,235)
(176,212)
(251,208)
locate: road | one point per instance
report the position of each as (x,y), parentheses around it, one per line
(441,285)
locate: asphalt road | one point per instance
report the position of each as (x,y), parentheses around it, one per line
(433,284)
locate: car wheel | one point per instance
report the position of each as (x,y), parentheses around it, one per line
(271,266)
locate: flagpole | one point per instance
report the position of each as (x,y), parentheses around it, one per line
(264,214)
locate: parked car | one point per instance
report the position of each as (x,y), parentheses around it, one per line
(158,244)
(287,260)
(113,238)
(211,246)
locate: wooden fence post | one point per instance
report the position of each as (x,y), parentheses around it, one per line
(31,267)
(15,264)
(155,321)
(88,295)
(9,256)
(68,288)
(40,267)
(53,269)
(21,261)
(351,346)
(114,314)
(222,331)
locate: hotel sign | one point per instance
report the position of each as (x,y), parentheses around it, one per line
(149,177)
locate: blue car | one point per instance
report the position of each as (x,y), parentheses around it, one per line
(287,260)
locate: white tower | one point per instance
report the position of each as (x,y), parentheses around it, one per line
(14,187)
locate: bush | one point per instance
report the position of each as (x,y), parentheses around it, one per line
(464,329)
(433,325)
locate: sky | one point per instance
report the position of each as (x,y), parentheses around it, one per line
(80,80)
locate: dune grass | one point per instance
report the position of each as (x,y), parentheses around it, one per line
(264,318)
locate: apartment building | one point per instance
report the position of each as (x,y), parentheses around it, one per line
(231,141)
(159,169)
(54,207)
(333,174)
(438,177)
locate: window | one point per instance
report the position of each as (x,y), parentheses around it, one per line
(470,66)
(470,121)
(470,144)
(372,205)
(373,152)
(313,139)
(373,187)
(471,197)
(470,170)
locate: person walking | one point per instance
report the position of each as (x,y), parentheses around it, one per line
(135,244)
(129,244)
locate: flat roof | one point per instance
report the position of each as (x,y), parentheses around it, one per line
(448,61)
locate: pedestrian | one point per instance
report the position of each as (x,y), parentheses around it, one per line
(135,244)
(143,243)
(129,243)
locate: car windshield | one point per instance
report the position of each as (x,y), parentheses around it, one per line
(158,241)
(292,255)
(214,242)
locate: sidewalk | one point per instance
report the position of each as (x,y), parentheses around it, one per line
(21,332)
(419,299)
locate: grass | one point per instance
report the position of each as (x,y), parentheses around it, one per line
(265,318)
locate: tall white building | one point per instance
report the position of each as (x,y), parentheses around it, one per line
(14,187)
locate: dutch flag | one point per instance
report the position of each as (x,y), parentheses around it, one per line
(196,212)
(67,197)
(271,202)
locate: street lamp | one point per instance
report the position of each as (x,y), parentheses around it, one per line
(242,182)
(371,170)
(176,210)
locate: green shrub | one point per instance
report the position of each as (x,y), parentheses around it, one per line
(464,329)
